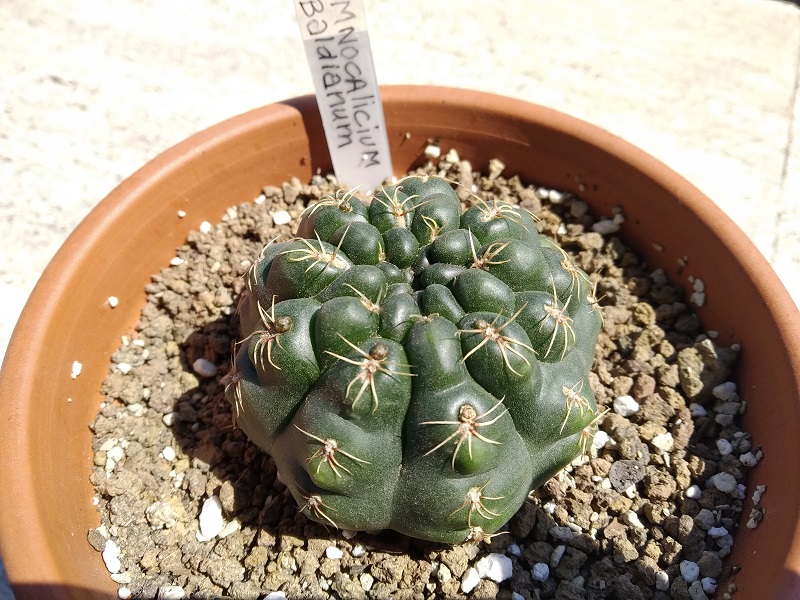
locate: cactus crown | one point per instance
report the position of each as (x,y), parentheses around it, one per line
(415,366)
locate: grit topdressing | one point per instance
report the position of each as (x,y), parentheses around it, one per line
(190,508)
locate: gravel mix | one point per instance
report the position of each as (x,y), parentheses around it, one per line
(190,508)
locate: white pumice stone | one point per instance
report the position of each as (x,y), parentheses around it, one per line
(111,557)
(724,391)
(724,447)
(697,410)
(709,585)
(689,571)
(664,442)
(556,555)
(211,520)
(282,217)
(717,532)
(171,592)
(694,492)
(605,226)
(662,581)
(725,482)
(625,406)
(470,580)
(334,553)
(495,566)
(540,571)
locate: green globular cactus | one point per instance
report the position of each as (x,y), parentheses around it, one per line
(415,366)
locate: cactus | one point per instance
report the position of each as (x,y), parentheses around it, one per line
(415,366)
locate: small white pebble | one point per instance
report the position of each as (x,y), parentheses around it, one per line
(549,507)
(443,573)
(555,196)
(689,571)
(205,227)
(333,552)
(349,534)
(282,217)
(124,593)
(724,391)
(697,410)
(111,557)
(470,580)
(494,566)
(600,439)
(662,581)
(698,298)
(230,527)
(625,406)
(605,227)
(725,482)
(171,592)
(359,551)
(724,447)
(717,532)
(113,301)
(181,214)
(116,453)
(204,367)
(169,418)
(496,167)
(124,368)
(540,572)
(556,555)
(76,369)
(366,580)
(664,442)
(698,285)
(168,453)
(694,492)
(709,585)
(760,489)
(275,596)
(432,151)
(452,156)
(177,261)
(514,550)
(517,596)
(632,519)
(211,521)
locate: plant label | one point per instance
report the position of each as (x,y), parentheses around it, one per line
(338,51)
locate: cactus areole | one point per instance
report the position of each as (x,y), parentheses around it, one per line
(415,366)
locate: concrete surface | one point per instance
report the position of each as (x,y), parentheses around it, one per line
(90,91)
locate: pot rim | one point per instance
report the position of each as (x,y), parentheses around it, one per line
(32,327)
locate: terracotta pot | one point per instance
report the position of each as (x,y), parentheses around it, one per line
(45,441)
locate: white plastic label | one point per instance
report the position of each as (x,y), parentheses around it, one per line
(337,47)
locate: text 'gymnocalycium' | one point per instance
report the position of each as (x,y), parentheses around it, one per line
(415,366)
